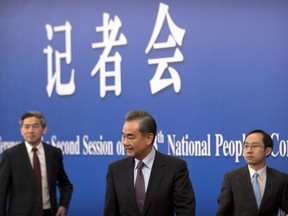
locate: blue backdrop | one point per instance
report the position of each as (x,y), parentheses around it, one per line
(208,71)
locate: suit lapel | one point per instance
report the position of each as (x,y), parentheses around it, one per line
(128,173)
(27,162)
(155,179)
(246,186)
(270,182)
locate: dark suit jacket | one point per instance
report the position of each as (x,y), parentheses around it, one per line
(169,189)
(237,196)
(17,181)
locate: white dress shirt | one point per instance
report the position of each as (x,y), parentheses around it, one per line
(146,170)
(261,179)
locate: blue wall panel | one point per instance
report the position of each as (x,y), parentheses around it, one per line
(232,67)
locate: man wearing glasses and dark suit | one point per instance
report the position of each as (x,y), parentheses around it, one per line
(254,189)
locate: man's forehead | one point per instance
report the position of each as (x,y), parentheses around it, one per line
(31,119)
(255,137)
(130,127)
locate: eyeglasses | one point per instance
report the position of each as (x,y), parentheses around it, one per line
(34,126)
(253,146)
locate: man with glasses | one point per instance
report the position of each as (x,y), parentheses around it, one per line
(254,189)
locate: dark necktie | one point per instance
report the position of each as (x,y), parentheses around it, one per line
(256,189)
(140,187)
(37,172)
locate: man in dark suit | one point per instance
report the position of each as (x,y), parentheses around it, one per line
(167,188)
(237,195)
(20,191)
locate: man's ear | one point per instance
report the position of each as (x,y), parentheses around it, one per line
(268,151)
(45,130)
(149,139)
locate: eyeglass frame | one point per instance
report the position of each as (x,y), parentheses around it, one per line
(253,146)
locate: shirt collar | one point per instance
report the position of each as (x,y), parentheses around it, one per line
(261,172)
(29,147)
(148,160)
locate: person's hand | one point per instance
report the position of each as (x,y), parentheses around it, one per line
(61,211)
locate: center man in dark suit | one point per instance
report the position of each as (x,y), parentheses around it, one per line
(167,188)
(25,192)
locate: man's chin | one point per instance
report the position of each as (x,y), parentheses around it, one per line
(32,142)
(130,153)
